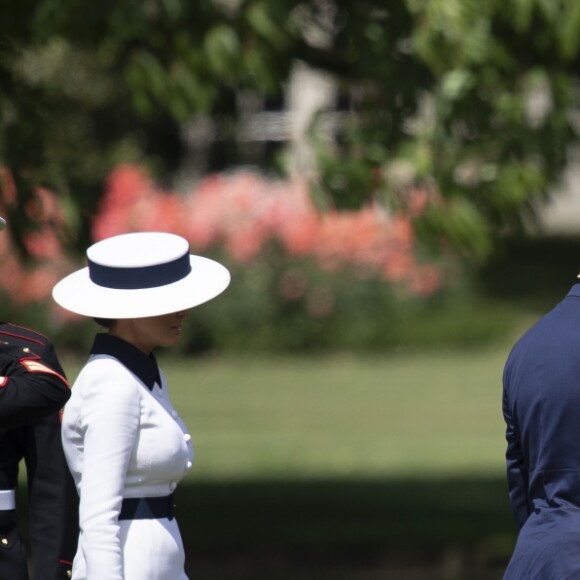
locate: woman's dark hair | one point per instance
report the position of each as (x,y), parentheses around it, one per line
(105,322)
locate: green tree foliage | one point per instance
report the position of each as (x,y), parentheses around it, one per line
(472,101)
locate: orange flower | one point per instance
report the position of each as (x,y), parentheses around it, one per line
(244,212)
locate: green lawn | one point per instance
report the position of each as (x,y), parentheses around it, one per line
(342,416)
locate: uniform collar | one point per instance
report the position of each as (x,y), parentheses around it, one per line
(575,290)
(143,366)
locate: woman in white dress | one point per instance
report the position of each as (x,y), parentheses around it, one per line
(124,443)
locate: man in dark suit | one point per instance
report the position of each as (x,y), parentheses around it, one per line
(33,389)
(541,406)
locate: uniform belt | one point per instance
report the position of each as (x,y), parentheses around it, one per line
(147,508)
(7,499)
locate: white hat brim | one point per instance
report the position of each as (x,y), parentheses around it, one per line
(78,293)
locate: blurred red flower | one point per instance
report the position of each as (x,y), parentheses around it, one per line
(243,214)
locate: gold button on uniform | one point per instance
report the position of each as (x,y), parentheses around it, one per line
(4,541)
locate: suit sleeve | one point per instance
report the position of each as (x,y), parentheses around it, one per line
(111,408)
(32,384)
(517,472)
(53,501)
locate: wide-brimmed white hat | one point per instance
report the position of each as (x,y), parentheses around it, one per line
(140,274)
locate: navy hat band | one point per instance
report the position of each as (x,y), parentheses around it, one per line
(140,277)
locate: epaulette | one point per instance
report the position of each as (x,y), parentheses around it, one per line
(19,334)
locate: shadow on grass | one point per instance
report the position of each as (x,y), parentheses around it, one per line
(452,529)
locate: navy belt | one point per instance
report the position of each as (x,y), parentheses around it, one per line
(147,508)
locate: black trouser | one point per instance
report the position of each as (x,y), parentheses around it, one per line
(13,562)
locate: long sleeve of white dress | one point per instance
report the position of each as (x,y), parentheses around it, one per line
(110,422)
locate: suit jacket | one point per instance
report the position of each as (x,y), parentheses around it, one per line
(541,407)
(33,389)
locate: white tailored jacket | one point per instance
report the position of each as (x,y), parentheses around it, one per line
(122,438)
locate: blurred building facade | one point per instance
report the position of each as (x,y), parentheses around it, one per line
(266,128)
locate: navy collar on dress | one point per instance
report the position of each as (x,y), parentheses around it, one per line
(143,366)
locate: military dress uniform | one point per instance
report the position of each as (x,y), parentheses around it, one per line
(33,389)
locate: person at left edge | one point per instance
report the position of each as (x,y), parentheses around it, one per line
(33,389)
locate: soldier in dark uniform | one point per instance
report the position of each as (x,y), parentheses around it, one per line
(33,390)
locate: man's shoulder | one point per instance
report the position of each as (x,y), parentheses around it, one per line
(21,336)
